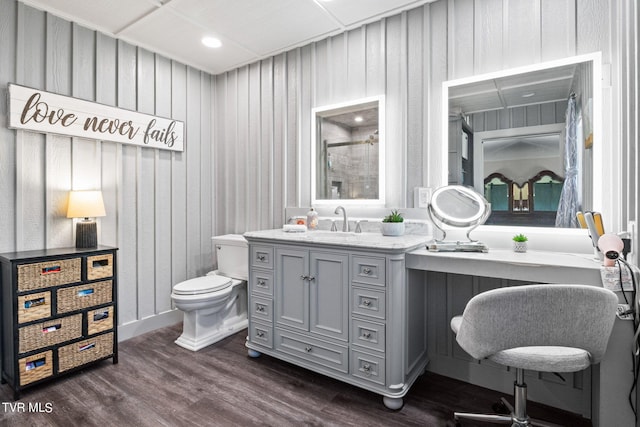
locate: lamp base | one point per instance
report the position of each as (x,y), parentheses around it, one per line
(86,234)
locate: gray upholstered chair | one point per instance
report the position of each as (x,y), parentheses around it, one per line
(548,328)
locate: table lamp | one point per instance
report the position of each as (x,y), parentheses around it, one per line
(87,205)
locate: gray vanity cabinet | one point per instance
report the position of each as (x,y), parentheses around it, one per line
(312,292)
(348,312)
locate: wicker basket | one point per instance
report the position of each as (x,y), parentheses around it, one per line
(36,367)
(99,320)
(99,266)
(48,333)
(34,307)
(79,353)
(83,296)
(50,273)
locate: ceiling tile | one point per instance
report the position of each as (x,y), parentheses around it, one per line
(349,12)
(260,26)
(107,16)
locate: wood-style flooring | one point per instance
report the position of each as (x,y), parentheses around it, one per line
(157,383)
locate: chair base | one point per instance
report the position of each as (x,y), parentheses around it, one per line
(517,416)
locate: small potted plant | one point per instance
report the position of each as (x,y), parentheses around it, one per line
(393,224)
(520,243)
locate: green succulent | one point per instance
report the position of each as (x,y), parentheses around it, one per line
(520,238)
(395,216)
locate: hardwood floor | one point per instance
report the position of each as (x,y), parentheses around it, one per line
(157,383)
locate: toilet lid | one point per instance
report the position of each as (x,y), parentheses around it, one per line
(202,285)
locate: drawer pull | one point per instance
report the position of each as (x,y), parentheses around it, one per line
(33,364)
(308,349)
(85,292)
(366,303)
(260,334)
(311,279)
(52,269)
(87,346)
(260,308)
(100,263)
(366,335)
(366,271)
(261,283)
(51,328)
(261,257)
(34,302)
(101,315)
(366,368)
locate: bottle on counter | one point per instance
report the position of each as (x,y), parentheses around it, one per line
(312,219)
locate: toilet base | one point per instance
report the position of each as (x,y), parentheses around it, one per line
(195,343)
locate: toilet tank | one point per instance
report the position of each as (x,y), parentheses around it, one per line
(232,252)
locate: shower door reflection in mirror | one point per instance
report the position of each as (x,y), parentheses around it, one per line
(348,152)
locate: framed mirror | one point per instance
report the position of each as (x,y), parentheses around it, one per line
(515,124)
(348,153)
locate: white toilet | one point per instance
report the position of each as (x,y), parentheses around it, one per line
(215,305)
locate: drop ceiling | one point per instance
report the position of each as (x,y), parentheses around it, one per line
(250,30)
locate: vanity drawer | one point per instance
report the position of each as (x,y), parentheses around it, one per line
(34,307)
(319,352)
(261,282)
(262,256)
(368,367)
(368,334)
(368,270)
(262,334)
(261,308)
(368,302)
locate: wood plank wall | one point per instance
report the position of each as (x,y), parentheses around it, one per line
(158,203)
(248,130)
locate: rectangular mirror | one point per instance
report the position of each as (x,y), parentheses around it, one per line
(348,153)
(509,128)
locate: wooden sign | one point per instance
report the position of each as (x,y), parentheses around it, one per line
(37,110)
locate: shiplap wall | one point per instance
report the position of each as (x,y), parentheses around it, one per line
(248,139)
(262,117)
(158,203)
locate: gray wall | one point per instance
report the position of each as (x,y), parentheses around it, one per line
(248,131)
(158,203)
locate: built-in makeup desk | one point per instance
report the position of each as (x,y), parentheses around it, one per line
(452,278)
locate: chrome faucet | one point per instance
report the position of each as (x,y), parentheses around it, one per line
(345,225)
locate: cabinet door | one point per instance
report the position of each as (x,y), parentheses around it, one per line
(292,289)
(329,294)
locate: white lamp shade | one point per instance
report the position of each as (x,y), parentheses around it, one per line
(85,204)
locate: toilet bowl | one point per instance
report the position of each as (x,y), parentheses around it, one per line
(215,305)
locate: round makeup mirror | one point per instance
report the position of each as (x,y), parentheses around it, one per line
(460,207)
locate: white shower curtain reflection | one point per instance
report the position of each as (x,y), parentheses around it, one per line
(569,202)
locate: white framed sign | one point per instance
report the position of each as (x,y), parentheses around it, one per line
(37,110)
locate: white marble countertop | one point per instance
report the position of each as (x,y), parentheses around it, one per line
(343,239)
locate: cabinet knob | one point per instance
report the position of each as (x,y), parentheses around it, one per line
(366,335)
(366,303)
(366,368)
(366,271)
(261,257)
(261,283)
(307,349)
(260,334)
(303,277)
(260,308)
(311,278)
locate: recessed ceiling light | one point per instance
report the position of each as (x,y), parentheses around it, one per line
(358,119)
(211,42)
(528,94)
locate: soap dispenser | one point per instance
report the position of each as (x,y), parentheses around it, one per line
(312,219)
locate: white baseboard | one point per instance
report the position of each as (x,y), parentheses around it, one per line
(139,327)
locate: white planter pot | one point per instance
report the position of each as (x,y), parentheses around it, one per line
(392,228)
(520,246)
